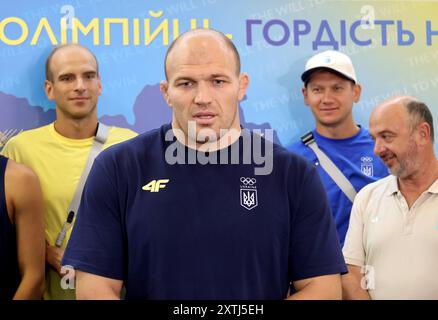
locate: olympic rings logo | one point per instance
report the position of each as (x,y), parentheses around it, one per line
(366,159)
(248,181)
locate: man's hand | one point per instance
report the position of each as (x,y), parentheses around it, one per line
(53,257)
(352,286)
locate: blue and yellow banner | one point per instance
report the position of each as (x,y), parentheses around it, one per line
(393,45)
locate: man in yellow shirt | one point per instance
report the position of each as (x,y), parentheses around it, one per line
(58,152)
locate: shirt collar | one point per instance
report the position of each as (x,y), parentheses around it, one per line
(393,187)
(434,187)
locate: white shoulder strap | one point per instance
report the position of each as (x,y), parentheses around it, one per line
(332,170)
(96,148)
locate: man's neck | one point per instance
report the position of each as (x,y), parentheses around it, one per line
(414,185)
(76,128)
(225,141)
(342,131)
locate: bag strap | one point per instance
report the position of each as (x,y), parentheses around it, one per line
(96,148)
(332,170)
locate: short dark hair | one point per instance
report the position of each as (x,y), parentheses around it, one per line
(49,75)
(419,112)
(226,40)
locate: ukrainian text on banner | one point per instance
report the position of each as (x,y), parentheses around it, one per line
(393,44)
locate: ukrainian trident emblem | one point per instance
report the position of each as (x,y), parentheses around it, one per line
(248,193)
(366,166)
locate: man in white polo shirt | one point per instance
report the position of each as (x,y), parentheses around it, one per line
(391,247)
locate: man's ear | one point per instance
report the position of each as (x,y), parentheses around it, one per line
(243,85)
(304,92)
(164,88)
(357,91)
(99,85)
(48,88)
(425,132)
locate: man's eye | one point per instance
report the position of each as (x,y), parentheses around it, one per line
(185,84)
(218,82)
(68,78)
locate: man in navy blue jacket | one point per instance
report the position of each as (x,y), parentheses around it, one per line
(188,211)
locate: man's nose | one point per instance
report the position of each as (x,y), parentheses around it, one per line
(379,147)
(203,94)
(80,85)
(327,96)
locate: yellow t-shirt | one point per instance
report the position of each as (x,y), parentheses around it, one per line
(58,161)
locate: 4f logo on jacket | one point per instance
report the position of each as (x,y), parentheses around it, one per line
(155,185)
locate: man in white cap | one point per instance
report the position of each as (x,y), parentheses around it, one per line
(341,149)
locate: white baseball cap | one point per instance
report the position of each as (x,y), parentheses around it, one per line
(333,60)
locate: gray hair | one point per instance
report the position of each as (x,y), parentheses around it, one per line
(419,112)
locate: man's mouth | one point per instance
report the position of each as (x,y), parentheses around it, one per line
(204,118)
(328,109)
(388,157)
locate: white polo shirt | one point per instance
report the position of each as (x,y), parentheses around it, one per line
(397,246)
